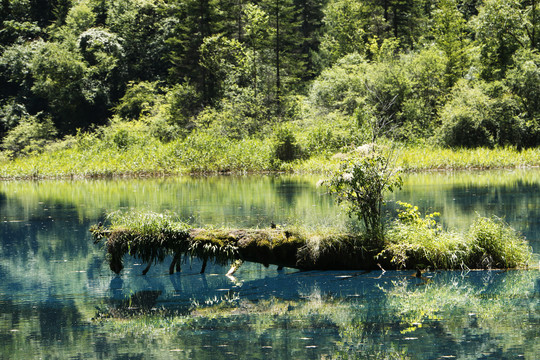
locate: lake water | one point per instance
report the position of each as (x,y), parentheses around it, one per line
(59,300)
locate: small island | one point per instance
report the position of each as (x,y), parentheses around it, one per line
(490,243)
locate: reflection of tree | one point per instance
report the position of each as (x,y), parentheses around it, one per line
(463,315)
(238,201)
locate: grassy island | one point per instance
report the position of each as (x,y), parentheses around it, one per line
(411,242)
(360,184)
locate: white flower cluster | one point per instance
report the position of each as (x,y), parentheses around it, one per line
(347,177)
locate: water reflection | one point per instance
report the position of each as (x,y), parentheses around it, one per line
(54,279)
(301,315)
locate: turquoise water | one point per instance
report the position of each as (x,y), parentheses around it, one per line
(59,300)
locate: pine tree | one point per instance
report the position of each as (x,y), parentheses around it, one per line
(195,20)
(310,15)
(285,41)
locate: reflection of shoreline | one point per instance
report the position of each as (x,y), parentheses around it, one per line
(465,313)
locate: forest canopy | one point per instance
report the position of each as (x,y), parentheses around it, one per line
(314,75)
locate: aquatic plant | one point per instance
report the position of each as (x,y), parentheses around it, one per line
(147,236)
(496,244)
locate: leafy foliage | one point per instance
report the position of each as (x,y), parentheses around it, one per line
(420,242)
(361,185)
(340,73)
(30,135)
(285,146)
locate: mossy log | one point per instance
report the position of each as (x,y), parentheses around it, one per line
(283,248)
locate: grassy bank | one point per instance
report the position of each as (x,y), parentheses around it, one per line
(135,154)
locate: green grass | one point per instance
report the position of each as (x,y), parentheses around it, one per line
(428,158)
(91,156)
(135,153)
(416,242)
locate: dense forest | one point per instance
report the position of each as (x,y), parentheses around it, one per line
(313,75)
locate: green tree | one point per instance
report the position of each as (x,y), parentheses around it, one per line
(285,40)
(59,78)
(361,184)
(346,30)
(226,60)
(406,19)
(16,23)
(482,114)
(449,33)
(143,26)
(60,10)
(80,18)
(194,21)
(501,28)
(138,100)
(310,15)
(15,70)
(426,73)
(524,80)
(106,68)
(257,32)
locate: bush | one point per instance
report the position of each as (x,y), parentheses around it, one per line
(124,134)
(361,184)
(497,245)
(414,241)
(465,119)
(240,116)
(285,147)
(482,115)
(372,91)
(339,87)
(30,135)
(11,114)
(183,103)
(138,100)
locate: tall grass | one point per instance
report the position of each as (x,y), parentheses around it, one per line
(143,155)
(435,158)
(416,242)
(129,149)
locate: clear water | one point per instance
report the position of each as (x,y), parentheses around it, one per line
(59,300)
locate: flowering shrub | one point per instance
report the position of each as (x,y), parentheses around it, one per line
(360,184)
